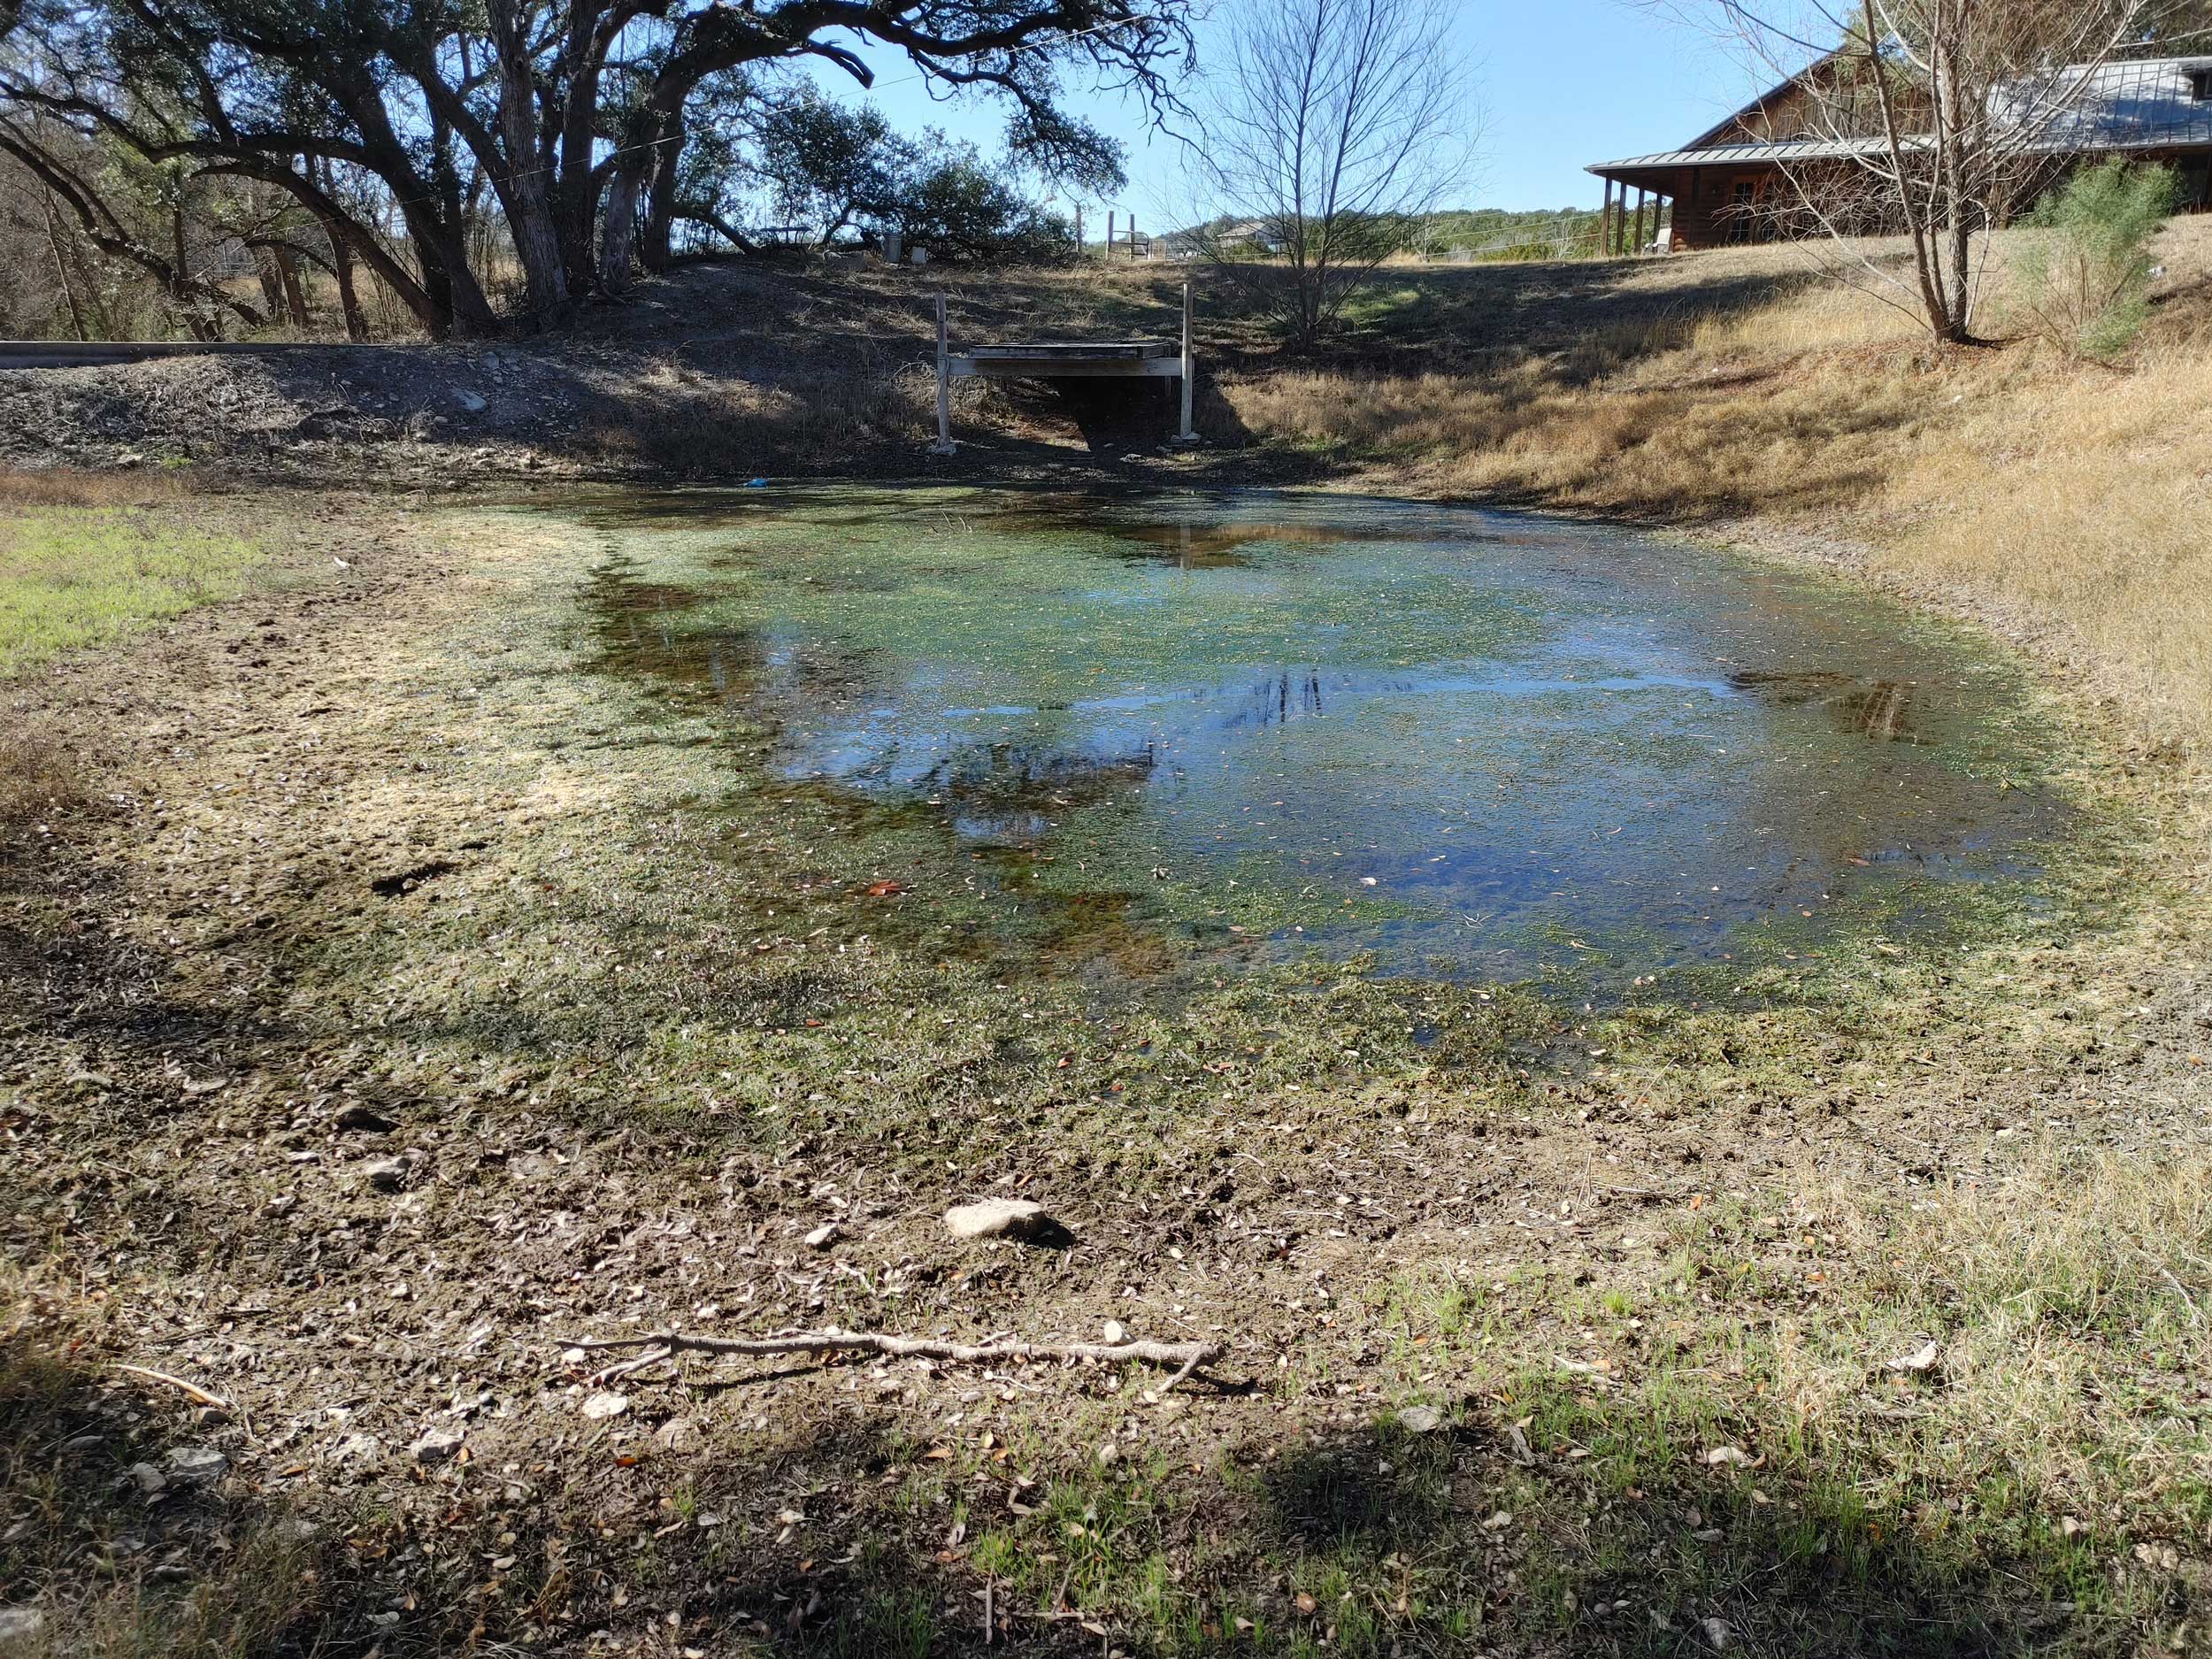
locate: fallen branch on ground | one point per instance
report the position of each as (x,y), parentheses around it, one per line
(662,1344)
(190,1390)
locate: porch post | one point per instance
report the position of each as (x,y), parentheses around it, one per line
(1638,245)
(1605,223)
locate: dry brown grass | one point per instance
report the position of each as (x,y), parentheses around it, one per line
(68,487)
(2068,494)
(2066,1300)
(38,776)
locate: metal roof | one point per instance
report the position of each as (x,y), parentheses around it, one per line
(2144,103)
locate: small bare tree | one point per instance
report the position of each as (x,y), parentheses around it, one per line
(1936,118)
(1334,130)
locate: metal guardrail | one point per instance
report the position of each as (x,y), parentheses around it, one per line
(70,354)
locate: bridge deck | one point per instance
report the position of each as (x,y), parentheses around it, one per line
(1062,359)
(1057,359)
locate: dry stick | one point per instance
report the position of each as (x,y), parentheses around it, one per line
(190,1390)
(665,1344)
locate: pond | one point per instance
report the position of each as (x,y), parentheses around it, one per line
(1467,742)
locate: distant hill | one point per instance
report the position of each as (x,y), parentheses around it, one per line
(1484,234)
(1497,233)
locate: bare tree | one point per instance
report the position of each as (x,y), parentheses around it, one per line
(1334,130)
(1937,119)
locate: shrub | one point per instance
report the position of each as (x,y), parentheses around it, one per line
(2085,282)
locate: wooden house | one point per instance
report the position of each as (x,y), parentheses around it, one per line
(1733,182)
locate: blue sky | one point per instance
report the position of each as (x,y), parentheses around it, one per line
(1557,86)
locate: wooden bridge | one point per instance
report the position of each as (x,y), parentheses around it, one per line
(1062,359)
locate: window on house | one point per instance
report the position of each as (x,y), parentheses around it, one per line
(2200,84)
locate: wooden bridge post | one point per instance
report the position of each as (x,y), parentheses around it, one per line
(944,445)
(1184,435)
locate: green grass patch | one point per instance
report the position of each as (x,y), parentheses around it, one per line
(75,577)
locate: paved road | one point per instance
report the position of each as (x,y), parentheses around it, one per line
(67,354)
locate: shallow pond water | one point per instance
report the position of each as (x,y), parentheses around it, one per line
(1462,740)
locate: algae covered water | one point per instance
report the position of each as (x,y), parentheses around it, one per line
(1462,740)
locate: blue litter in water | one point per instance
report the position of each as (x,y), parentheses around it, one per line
(756,483)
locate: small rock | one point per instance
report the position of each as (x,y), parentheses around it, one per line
(678,1434)
(357,1448)
(1108,1454)
(1719,1632)
(603,1405)
(150,1481)
(1419,1419)
(1922,1358)
(471,402)
(437,1445)
(1002,1217)
(1724,1456)
(385,1175)
(1114,1333)
(823,1236)
(20,1624)
(197,1465)
(83,1444)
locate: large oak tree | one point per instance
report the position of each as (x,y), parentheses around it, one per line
(573,115)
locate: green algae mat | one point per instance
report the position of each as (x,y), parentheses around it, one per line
(1454,742)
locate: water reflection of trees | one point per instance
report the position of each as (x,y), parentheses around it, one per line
(1879,709)
(1279,700)
(1012,791)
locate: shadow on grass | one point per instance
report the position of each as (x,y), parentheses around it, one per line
(1609,1535)
(124,1532)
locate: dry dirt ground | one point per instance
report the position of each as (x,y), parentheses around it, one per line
(413,996)
(718,370)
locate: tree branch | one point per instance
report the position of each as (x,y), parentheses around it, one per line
(662,1344)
